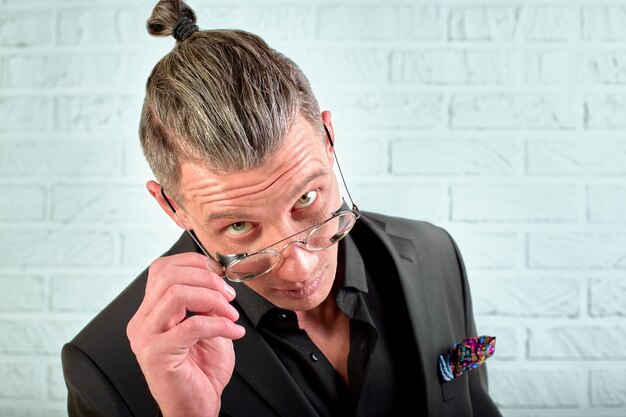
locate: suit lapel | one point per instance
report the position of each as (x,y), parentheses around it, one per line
(259,366)
(404,255)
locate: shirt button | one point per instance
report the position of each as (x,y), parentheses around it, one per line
(314,357)
(281,316)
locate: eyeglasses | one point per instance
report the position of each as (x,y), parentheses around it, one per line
(243,267)
(240,267)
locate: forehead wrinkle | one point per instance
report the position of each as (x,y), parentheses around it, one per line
(212,190)
(298,156)
(238,214)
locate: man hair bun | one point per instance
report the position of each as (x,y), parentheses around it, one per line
(172,17)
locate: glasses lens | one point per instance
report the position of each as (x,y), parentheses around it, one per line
(252,266)
(331,232)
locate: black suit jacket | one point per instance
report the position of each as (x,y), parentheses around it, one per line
(104,379)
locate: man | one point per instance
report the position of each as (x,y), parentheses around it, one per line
(280,298)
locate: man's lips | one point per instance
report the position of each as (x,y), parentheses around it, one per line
(305,291)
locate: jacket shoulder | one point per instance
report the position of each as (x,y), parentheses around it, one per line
(407,228)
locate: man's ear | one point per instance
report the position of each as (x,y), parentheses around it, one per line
(154,188)
(330,141)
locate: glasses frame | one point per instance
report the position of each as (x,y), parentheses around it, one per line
(230,260)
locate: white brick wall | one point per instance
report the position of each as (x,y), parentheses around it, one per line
(502,121)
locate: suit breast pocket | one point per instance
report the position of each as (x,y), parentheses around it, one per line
(454,388)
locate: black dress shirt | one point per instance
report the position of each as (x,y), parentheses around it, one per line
(381,343)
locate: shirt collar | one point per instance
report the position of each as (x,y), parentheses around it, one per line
(350,267)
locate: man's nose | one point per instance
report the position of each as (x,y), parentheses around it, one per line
(297,264)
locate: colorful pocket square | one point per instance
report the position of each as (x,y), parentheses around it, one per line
(465,356)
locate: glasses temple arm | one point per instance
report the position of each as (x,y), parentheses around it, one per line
(332,145)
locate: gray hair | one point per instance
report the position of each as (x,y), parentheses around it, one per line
(222,98)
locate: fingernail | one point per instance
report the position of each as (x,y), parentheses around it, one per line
(230,290)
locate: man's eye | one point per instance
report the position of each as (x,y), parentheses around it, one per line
(306,199)
(238,228)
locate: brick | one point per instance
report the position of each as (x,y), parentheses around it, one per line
(130,25)
(349,66)
(361,156)
(24,113)
(576,250)
(513,111)
(528,388)
(49,157)
(357,22)
(530,23)
(604,23)
(389,110)
(514,203)
(63,70)
(140,248)
(56,248)
(27,203)
(111,203)
(445,67)
(470,157)
(550,23)
(607,297)
(28,409)
(576,156)
(608,387)
(606,67)
(21,380)
(605,112)
(97,113)
(481,23)
(41,337)
(56,383)
(551,67)
(487,250)
(274,22)
(89,27)
(577,342)
(73,292)
(21,293)
(420,23)
(414,201)
(524,297)
(606,203)
(509,343)
(13,22)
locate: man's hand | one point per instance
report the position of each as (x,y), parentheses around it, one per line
(187,361)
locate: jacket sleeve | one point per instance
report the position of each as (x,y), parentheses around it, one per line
(482,403)
(89,392)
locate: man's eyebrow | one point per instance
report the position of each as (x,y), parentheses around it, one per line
(296,191)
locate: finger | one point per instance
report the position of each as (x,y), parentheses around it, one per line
(196,259)
(183,275)
(189,269)
(172,308)
(196,328)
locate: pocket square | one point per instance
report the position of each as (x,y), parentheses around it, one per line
(465,356)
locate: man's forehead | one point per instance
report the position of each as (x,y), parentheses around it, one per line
(300,158)
(287,196)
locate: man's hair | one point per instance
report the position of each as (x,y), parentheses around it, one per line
(222,98)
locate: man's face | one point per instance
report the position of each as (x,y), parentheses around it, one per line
(247,211)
